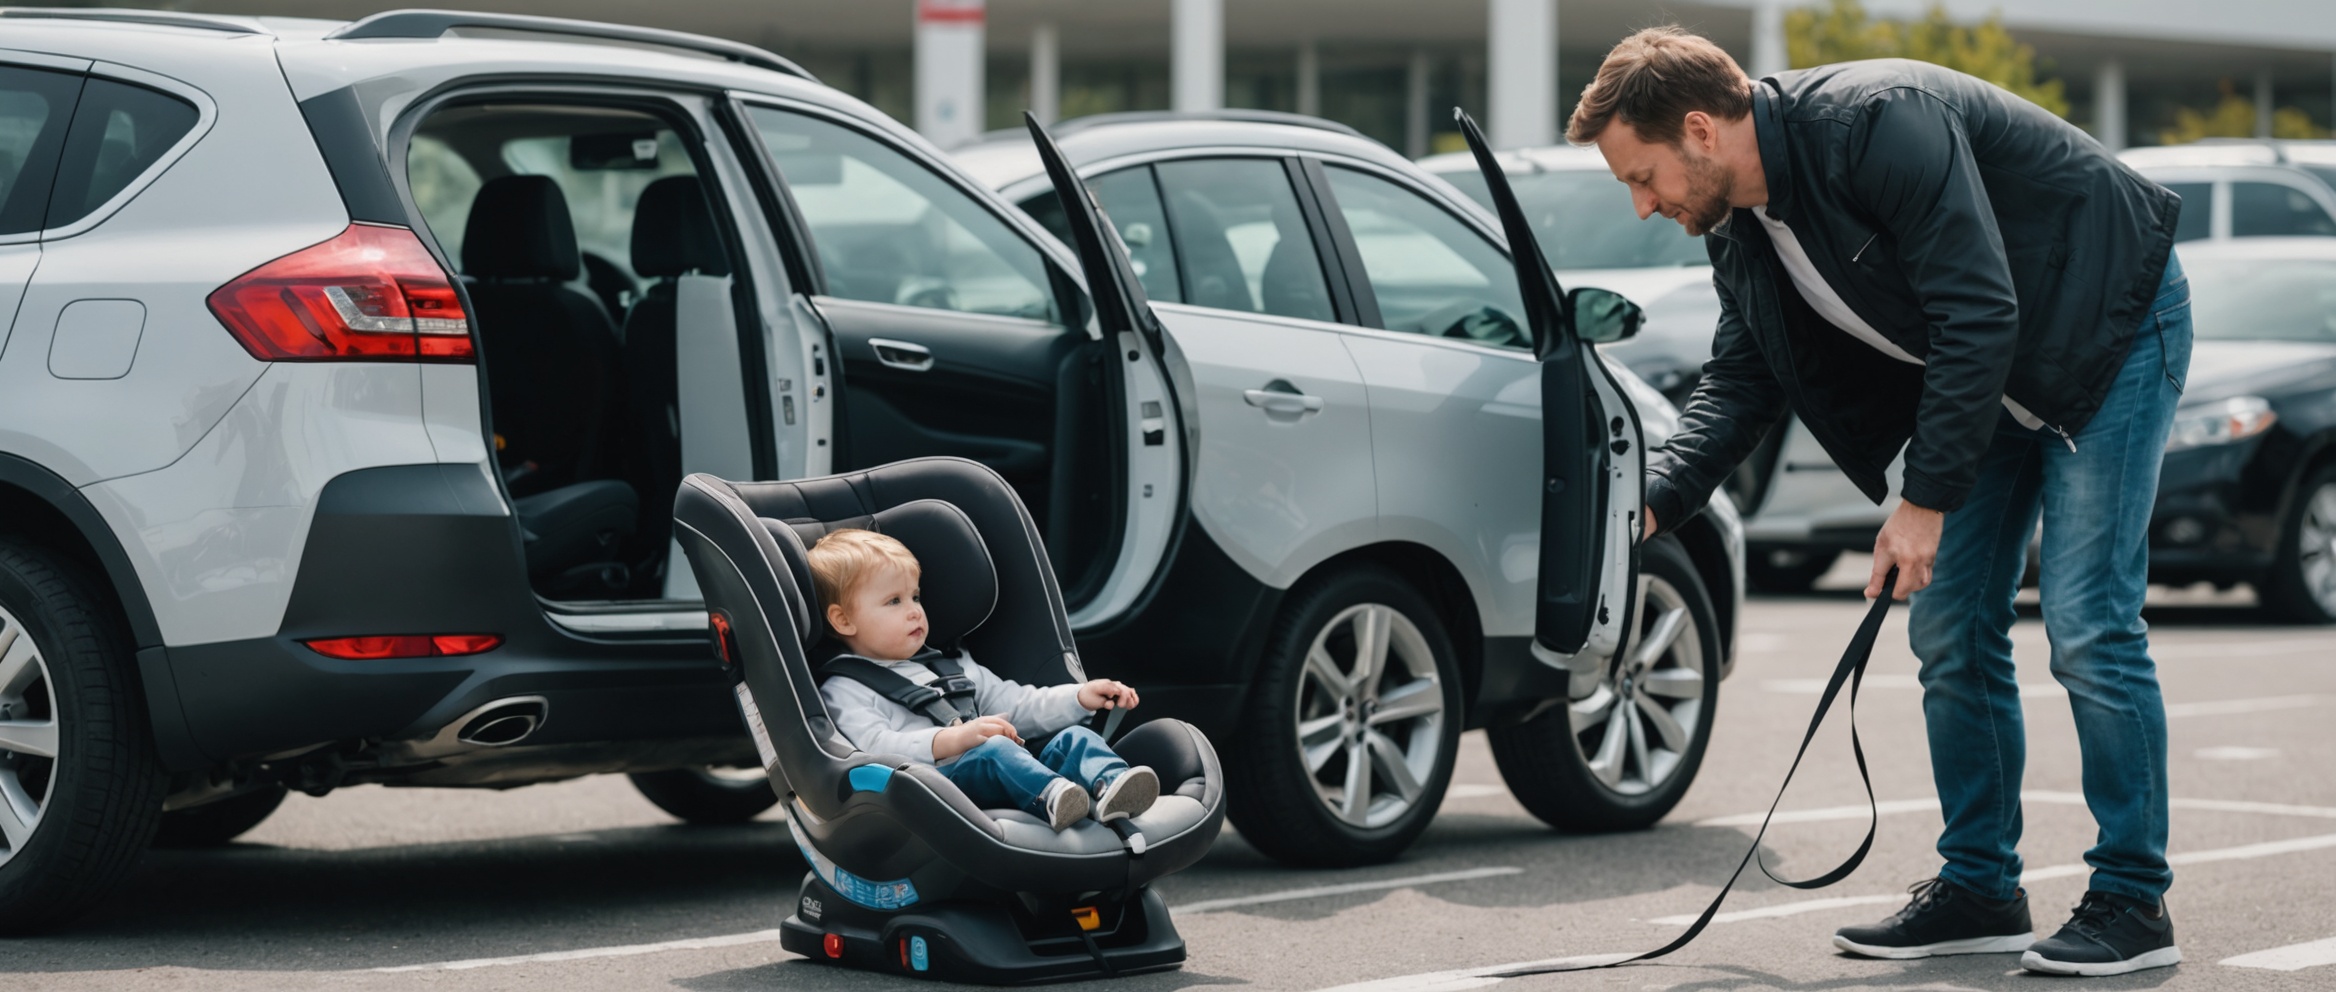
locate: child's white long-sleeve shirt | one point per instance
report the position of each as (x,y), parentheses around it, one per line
(880,726)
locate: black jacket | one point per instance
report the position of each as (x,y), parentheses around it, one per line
(1993,240)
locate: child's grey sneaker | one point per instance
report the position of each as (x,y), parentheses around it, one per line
(1128,795)
(2108,934)
(1066,803)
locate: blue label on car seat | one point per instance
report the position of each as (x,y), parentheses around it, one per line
(917,957)
(868,778)
(874,895)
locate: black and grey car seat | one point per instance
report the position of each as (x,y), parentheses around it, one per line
(907,875)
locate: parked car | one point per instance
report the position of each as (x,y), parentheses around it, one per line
(349,369)
(2248,491)
(1292,261)
(2246,187)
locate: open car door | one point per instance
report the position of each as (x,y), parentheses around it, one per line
(1120,304)
(1592,453)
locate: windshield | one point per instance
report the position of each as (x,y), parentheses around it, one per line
(1585,221)
(2255,299)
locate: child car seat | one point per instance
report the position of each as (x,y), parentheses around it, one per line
(907,875)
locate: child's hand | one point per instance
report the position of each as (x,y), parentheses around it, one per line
(1105,693)
(956,740)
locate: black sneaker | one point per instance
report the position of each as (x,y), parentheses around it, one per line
(2109,934)
(1944,918)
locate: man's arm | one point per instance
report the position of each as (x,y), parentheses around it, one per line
(1734,405)
(1913,171)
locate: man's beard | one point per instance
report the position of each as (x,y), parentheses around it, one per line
(1709,187)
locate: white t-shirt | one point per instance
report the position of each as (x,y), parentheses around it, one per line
(1830,306)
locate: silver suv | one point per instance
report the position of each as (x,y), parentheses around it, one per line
(347,372)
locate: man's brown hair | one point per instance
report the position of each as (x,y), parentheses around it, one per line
(1652,80)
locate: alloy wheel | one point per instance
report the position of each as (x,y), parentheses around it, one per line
(1370,713)
(1634,728)
(2316,548)
(28,736)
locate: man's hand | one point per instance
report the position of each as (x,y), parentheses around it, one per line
(1103,693)
(955,740)
(1910,543)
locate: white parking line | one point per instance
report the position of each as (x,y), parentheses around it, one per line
(1891,806)
(2233,707)
(1812,687)
(2293,957)
(626,950)
(1316,892)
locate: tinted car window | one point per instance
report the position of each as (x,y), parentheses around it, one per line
(1132,201)
(1586,221)
(2197,210)
(1240,242)
(2272,210)
(35,110)
(1432,274)
(2263,300)
(890,230)
(118,131)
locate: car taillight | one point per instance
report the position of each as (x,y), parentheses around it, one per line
(370,294)
(404,646)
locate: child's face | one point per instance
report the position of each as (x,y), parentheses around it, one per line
(883,618)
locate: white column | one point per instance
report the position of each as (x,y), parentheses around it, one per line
(1415,107)
(2263,100)
(1521,73)
(1769,54)
(2109,104)
(1046,73)
(1309,79)
(1196,55)
(949,70)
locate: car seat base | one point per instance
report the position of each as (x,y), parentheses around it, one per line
(990,943)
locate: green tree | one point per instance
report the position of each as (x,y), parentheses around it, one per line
(1842,31)
(2233,116)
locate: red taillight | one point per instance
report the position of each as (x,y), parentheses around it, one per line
(372,293)
(404,646)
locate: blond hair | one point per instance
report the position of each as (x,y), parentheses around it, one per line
(845,558)
(1652,80)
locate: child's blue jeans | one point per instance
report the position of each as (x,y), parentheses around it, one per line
(1002,773)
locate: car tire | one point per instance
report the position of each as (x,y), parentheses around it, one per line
(1334,770)
(2301,587)
(78,818)
(1787,571)
(708,795)
(1580,770)
(218,823)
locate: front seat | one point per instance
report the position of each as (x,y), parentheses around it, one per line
(551,357)
(673,236)
(907,875)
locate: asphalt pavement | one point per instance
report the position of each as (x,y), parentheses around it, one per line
(583,886)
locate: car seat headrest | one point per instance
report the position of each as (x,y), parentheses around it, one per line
(673,231)
(519,228)
(960,583)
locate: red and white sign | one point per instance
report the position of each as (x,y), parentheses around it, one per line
(950,11)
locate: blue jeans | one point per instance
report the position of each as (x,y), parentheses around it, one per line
(2095,502)
(1001,773)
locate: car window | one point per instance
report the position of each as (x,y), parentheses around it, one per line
(2197,211)
(2272,210)
(444,186)
(118,131)
(1131,200)
(1586,221)
(2263,300)
(1432,274)
(35,108)
(1239,239)
(890,230)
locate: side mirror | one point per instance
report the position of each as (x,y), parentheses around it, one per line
(1603,316)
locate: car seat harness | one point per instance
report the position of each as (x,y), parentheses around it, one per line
(947,700)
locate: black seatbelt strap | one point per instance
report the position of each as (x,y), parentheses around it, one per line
(1851,670)
(947,701)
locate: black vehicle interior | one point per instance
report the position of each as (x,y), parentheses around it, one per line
(563,214)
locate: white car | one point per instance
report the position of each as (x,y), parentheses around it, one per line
(349,370)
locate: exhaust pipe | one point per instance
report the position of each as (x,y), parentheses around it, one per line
(503,722)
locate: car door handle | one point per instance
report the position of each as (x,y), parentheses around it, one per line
(1285,400)
(902,355)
